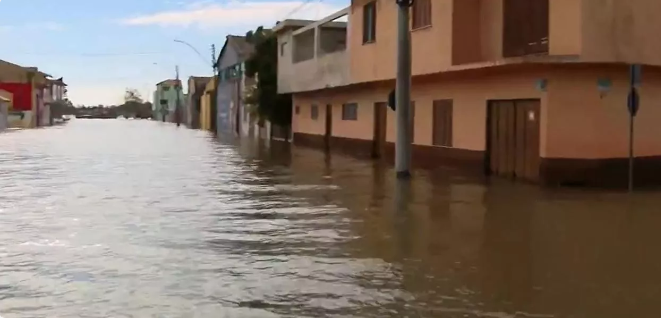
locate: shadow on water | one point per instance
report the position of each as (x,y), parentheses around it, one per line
(104,227)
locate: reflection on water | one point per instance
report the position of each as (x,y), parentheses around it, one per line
(141,219)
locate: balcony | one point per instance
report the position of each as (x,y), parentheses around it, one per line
(488,30)
(317,58)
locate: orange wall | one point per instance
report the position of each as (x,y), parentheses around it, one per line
(462,31)
(581,124)
(470,98)
(575,121)
(622,31)
(431,46)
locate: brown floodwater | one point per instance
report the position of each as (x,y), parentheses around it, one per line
(133,218)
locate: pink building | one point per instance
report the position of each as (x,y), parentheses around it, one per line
(533,90)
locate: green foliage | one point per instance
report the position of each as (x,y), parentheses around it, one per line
(263,66)
(62,107)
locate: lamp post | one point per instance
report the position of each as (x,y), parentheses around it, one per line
(196,51)
(403,92)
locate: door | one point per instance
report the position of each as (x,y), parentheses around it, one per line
(513,139)
(530,130)
(329,126)
(379,136)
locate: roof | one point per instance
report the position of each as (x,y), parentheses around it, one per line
(240,44)
(59,81)
(291,24)
(198,84)
(198,80)
(169,82)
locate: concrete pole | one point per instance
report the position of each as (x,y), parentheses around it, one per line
(403,92)
(177,110)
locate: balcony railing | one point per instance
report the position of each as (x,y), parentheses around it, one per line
(319,55)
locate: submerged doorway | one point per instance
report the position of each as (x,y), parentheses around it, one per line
(513,139)
(379,135)
(328,133)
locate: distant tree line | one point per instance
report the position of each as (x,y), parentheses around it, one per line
(134,106)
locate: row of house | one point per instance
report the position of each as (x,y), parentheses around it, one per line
(26,95)
(216,103)
(533,90)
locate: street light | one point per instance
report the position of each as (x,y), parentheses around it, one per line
(194,49)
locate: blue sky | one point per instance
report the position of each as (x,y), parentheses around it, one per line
(103,47)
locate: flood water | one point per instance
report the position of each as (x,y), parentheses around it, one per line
(121,218)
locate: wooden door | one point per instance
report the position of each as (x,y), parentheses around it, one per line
(530,140)
(502,138)
(329,126)
(513,140)
(379,135)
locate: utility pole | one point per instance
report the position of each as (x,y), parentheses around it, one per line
(177,110)
(633,101)
(213,59)
(403,92)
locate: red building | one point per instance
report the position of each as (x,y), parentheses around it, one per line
(22,95)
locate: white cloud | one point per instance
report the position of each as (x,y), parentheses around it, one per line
(234,13)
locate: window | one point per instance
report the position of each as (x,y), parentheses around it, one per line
(166,88)
(282,48)
(369,22)
(297,110)
(164,101)
(421,12)
(314,112)
(525,27)
(442,123)
(350,111)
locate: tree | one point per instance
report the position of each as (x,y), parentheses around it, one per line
(132,95)
(62,107)
(263,66)
(134,105)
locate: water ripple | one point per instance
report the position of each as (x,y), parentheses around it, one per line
(143,219)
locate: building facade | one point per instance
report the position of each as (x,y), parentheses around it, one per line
(5,106)
(24,84)
(232,117)
(167,96)
(206,110)
(196,87)
(530,90)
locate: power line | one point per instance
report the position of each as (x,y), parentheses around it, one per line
(305,3)
(96,54)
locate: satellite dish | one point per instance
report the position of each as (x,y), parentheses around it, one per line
(391,100)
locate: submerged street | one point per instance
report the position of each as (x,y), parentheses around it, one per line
(136,218)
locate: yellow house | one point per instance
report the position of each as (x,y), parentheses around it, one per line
(207,100)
